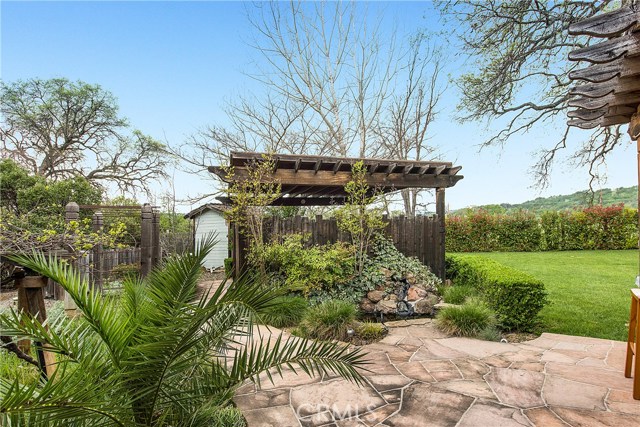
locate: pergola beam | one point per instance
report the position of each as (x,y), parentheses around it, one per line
(328,178)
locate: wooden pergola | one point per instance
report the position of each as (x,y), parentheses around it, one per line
(609,94)
(319,180)
(608,89)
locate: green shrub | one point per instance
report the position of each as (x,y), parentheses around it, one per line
(314,269)
(516,297)
(482,231)
(458,294)
(12,368)
(386,255)
(467,320)
(370,331)
(490,333)
(228,267)
(227,417)
(286,311)
(596,227)
(328,320)
(123,271)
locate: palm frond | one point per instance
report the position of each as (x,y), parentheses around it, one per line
(99,312)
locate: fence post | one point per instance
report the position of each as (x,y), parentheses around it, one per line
(156,252)
(71,213)
(146,239)
(98,252)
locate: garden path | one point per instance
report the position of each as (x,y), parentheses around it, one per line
(420,377)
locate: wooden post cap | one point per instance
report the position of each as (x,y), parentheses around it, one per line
(32,282)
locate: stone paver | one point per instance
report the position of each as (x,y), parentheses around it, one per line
(420,377)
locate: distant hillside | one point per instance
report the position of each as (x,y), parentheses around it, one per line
(625,195)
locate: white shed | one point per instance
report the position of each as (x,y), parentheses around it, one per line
(208,219)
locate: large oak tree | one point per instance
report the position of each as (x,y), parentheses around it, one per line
(60,129)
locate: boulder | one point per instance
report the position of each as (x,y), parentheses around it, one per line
(426,305)
(375,296)
(386,272)
(367,305)
(415,293)
(391,297)
(390,284)
(386,306)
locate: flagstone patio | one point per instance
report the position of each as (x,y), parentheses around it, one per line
(420,377)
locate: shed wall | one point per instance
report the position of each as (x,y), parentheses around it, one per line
(213,221)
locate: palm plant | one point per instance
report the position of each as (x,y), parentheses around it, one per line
(157,355)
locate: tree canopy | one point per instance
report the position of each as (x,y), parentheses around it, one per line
(518,52)
(59,129)
(331,82)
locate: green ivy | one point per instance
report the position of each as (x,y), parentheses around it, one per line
(384,255)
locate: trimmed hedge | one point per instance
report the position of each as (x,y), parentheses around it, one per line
(516,297)
(596,227)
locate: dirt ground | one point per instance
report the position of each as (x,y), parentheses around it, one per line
(9,298)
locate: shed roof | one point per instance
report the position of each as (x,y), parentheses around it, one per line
(320,180)
(206,207)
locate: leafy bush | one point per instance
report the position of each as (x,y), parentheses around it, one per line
(387,256)
(285,311)
(595,227)
(467,320)
(228,267)
(481,231)
(124,271)
(318,268)
(516,297)
(458,294)
(328,320)
(370,331)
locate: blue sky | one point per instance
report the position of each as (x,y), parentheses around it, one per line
(173,65)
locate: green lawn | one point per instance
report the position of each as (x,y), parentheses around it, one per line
(588,290)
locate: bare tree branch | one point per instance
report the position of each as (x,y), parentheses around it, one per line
(519,50)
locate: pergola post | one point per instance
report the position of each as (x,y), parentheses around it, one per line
(239,252)
(440,249)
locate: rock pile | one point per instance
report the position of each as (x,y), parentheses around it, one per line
(401,296)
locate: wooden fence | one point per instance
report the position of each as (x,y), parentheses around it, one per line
(88,267)
(421,237)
